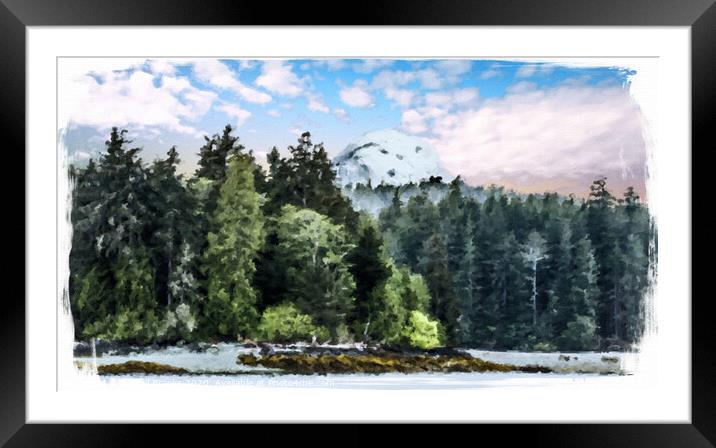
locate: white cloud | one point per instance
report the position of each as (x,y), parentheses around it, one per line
(421,119)
(429,79)
(542,135)
(393,82)
(161,67)
(235,112)
(215,72)
(371,65)
(438,99)
(342,115)
(357,95)
(529,70)
(75,68)
(466,95)
(521,87)
(526,71)
(330,64)
(401,97)
(452,98)
(394,79)
(277,76)
(453,68)
(491,72)
(246,64)
(316,104)
(274,113)
(80,155)
(413,122)
(133,100)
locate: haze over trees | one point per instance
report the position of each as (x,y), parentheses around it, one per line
(238,252)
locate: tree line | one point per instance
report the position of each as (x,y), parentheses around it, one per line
(238,252)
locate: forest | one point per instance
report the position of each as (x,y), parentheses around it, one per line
(282,254)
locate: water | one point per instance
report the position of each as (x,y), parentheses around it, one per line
(217,366)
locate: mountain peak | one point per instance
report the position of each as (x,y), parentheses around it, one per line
(387,156)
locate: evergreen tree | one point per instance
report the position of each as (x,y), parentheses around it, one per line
(230,310)
(307,180)
(317,276)
(510,293)
(116,220)
(86,195)
(368,267)
(633,287)
(499,269)
(174,236)
(600,224)
(391,304)
(419,222)
(434,268)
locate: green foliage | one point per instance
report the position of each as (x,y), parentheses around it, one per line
(179,322)
(174,238)
(368,267)
(315,252)
(434,268)
(230,310)
(285,323)
(421,332)
(92,299)
(580,334)
(306,179)
(158,258)
(391,304)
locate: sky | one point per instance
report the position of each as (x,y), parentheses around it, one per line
(533,127)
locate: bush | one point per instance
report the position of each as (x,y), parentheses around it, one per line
(284,323)
(544,347)
(178,323)
(138,326)
(580,334)
(421,332)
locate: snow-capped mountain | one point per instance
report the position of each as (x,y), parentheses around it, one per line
(387,156)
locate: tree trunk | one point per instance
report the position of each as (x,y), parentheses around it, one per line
(169,276)
(534,293)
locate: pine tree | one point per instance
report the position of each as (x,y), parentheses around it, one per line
(600,224)
(633,287)
(368,267)
(433,266)
(419,222)
(86,195)
(487,234)
(307,180)
(116,220)
(454,216)
(230,310)
(174,233)
(510,293)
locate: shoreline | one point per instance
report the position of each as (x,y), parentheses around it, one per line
(304,359)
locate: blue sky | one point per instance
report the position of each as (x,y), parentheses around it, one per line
(530,126)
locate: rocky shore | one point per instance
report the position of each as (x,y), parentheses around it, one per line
(323,361)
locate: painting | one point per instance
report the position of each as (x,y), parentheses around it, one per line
(364,223)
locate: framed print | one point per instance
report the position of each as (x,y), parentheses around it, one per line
(365,222)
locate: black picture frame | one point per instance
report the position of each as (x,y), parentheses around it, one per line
(16,15)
